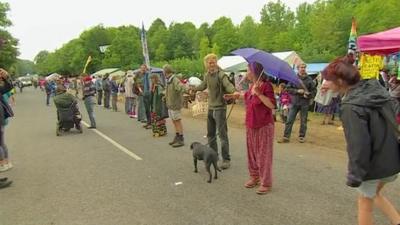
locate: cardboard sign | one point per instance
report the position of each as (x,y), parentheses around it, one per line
(370,65)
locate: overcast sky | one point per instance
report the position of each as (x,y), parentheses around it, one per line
(48,24)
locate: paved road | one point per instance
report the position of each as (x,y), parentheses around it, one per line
(82,179)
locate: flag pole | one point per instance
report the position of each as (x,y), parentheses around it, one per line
(144,47)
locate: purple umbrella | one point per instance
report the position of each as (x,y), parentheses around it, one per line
(272,65)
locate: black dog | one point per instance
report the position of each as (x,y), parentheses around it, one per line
(208,155)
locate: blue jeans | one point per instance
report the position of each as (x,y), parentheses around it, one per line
(130,105)
(303,109)
(3,147)
(216,121)
(89,104)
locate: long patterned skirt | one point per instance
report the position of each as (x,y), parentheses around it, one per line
(260,144)
(158,125)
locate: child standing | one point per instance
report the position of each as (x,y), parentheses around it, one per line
(284,102)
(157,116)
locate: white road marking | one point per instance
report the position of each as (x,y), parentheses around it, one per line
(116,144)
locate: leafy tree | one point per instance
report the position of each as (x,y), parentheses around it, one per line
(23,67)
(161,52)
(225,35)
(276,18)
(124,50)
(41,56)
(247,32)
(4,21)
(92,39)
(201,34)
(204,47)
(216,49)
(157,35)
(8,44)
(375,15)
(180,41)
(8,49)
(317,31)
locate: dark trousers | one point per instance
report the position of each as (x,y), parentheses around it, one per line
(107,99)
(216,122)
(303,109)
(114,101)
(99,96)
(147,105)
(48,98)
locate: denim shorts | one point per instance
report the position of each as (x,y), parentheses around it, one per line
(369,188)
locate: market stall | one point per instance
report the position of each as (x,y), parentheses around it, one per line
(373,48)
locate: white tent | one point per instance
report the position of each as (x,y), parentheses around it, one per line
(194,81)
(232,63)
(104,71)
(291,57)
(53,76)
(238,63)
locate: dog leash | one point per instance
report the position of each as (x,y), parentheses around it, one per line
(222,125)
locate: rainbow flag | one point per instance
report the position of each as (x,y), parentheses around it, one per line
(144,47)
(352,48)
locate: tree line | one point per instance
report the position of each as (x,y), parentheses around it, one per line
(8,43)
(319,32)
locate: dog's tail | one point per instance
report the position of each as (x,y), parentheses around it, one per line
(215,164)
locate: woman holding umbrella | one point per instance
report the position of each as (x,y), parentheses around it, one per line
(260,101)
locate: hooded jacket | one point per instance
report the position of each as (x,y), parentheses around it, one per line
(372,144)
(300,99)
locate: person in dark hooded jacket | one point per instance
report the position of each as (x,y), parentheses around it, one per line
(368,116)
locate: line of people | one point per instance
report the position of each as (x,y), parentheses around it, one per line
(157,101)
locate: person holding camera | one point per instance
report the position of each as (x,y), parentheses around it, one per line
(302,96)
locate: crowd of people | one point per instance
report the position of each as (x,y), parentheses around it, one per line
(368,114)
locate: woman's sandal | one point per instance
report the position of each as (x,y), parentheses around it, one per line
(262,190)
(251,183)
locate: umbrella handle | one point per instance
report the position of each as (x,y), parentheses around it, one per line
(259,76)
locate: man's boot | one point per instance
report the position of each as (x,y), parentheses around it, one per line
(175,139)
(179,142)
